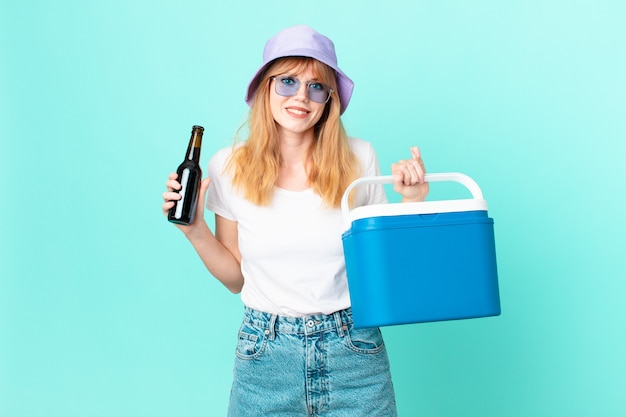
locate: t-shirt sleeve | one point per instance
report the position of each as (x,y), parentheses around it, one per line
(219,189)
(370,193)
(375,192)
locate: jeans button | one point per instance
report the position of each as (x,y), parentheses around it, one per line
(310,323)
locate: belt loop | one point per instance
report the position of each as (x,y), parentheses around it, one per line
(271,327)
(338,323)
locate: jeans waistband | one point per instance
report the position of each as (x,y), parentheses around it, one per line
(340,321)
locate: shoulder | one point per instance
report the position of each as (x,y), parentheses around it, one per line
(360,146)
(365,153)
(218,161)
(373,193)
(363,149)
(221,155)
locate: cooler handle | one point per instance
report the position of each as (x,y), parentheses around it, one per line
(463,179)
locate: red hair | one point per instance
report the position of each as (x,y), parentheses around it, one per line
(255,164)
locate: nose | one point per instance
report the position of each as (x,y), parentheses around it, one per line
(302,93)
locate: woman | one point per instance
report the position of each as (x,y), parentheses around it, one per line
(277,239)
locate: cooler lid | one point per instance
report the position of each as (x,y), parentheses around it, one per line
(425,207)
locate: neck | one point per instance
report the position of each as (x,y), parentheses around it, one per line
(294,149)
(294,153)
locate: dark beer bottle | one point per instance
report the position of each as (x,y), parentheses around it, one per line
(189,176)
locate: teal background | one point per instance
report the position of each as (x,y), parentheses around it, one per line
(105,310)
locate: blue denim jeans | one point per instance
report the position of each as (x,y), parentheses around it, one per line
(310,366)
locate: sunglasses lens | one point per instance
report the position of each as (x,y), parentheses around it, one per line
(288,86)
(318,92)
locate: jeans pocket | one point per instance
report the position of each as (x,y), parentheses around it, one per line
(368,340)
(251,342)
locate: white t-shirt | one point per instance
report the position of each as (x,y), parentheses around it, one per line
(291,251)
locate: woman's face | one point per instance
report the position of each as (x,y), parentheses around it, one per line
(296,114)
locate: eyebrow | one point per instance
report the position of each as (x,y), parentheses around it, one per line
(295,76)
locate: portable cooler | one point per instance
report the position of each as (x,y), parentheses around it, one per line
(420,262)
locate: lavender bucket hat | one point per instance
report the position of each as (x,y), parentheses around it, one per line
(303,41)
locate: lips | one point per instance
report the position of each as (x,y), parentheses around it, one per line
(298,112)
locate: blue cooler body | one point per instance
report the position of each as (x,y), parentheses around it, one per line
(421,262)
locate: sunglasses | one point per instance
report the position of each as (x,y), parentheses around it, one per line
(287,86)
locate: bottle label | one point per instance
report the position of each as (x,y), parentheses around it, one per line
(183,182)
